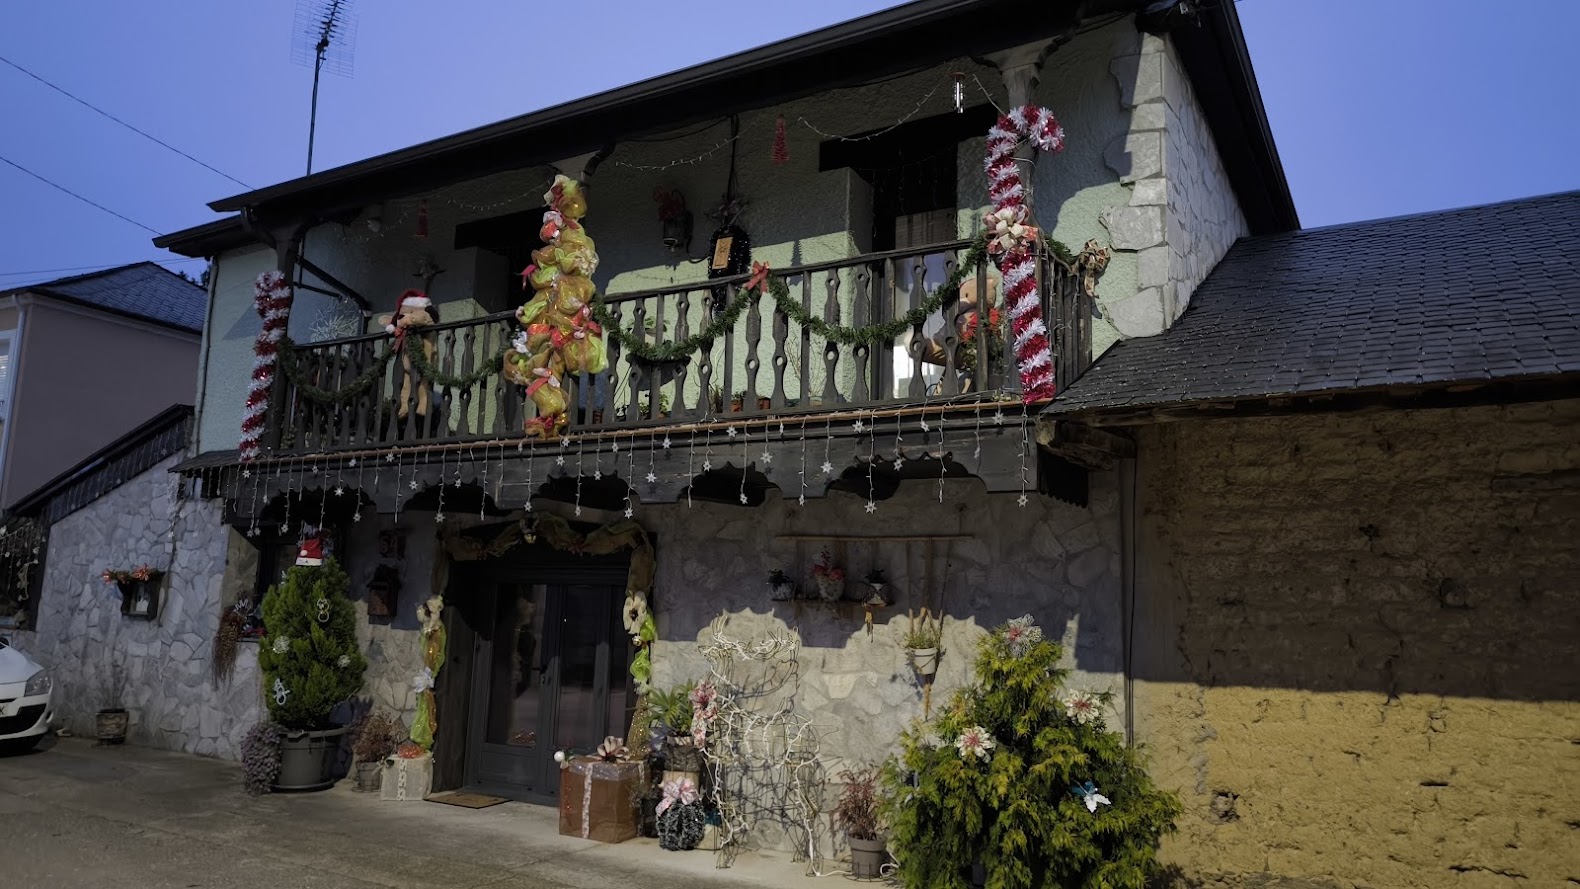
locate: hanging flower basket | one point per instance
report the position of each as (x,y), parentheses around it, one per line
(139,589)
(829,577)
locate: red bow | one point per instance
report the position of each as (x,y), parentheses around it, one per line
(759,278)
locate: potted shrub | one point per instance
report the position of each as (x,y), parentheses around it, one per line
(377,738)
(672,710)
(780,586)
(829,577)
(738,402)
(856,814)
(922,637)
(310,665)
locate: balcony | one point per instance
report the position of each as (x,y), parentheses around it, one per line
(352,394)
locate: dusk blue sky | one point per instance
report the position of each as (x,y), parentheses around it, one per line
(1379,107)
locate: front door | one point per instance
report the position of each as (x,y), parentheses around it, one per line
(550,674)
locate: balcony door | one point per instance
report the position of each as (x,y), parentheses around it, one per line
(550,674)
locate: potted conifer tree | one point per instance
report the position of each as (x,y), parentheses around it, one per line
(310,665)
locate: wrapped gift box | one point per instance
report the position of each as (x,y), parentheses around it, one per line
(407,779)
(601,800)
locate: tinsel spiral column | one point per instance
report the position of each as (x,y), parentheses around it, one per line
(558,335)
(1010,227)
(272,299)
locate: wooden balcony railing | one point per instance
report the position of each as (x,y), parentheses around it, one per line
(352,393)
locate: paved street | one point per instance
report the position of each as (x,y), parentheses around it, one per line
(77,816)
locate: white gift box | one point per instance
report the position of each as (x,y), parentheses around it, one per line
(407,779)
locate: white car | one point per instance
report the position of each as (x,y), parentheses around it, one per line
(25,709)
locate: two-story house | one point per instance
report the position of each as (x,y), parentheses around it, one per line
(83,361)
(802,363)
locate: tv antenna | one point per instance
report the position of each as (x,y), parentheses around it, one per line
(324,36)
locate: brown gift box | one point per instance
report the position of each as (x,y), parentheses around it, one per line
(601,800)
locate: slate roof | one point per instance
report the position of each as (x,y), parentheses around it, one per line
(1478,294)
(143,290)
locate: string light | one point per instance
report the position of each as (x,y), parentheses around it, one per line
(869,136)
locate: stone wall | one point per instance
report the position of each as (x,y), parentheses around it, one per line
(1182,214)
(1057,562)
(1356,646)
(165,662)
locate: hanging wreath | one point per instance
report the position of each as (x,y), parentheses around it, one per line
(1012,238)
(272,300)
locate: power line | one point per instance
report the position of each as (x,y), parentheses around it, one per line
(6,160)
(145,135)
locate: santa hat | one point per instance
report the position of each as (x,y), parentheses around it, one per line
(311,550)
(411,299)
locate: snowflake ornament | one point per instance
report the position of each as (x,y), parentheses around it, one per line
(652,478)
(768,456)
(412,484)
(353,463)
(898,461)
(343,661)
(629,512)
(975,741)
(998,418)
(872,507)
(707,465)
(438,517)
(858,426)
(560,460)
(1089,795)
(731,432)
(246,473)
(1022,500)
(827,467)
(340,491)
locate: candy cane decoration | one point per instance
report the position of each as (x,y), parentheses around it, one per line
(272,299)
(1012,236)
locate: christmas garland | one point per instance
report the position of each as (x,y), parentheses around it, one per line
(1012,237)
(272,299)
(375,371)
(776,288)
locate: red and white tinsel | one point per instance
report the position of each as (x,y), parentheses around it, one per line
(272,299)
(1013,237)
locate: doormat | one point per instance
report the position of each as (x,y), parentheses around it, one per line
(466,800)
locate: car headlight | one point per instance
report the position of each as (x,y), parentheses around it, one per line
(38,684)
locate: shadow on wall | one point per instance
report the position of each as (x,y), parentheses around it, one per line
(1393,556)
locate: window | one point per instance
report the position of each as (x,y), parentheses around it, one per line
(22,546)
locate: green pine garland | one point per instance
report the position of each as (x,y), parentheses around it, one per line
(375,371)
(792,308)
(1014,812)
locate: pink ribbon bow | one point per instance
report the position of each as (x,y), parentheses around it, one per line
(759,278)
(678,792)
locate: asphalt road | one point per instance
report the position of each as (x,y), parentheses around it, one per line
(76,815)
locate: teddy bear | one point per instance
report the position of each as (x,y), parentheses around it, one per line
(413,311)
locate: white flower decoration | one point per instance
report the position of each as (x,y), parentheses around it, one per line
(975,740)
(422,681)
(635,612)
(282,644)
(1082,706)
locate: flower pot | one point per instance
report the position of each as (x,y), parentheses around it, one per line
(781,592)
(370,776)
(832,589)
(765,403)
(683,757)
(867,857)
(110,725)
(307,759)
(924,661)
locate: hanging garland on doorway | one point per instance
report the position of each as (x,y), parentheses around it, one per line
(617,536)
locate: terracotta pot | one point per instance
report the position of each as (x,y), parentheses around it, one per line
(924,661)
(764,403)
(867,857)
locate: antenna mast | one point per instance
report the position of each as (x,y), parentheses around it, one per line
(325,34)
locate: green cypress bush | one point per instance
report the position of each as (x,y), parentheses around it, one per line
(1000,779)
(309,665)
